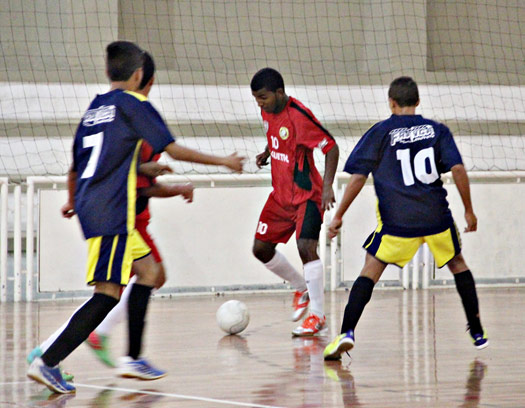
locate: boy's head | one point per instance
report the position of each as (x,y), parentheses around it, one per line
(403,91)
(148,69)
(124,61)
(268,90)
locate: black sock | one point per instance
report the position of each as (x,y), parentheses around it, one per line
(359,296)
(137,306)
(467,291)
(82,323)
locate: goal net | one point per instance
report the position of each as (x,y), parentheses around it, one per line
(336,56)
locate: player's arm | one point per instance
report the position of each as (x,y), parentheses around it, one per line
(154,169)
(459,174)
(168,190)
(68,209)
(356,183)
(330,167)
(182,153)
(262,158)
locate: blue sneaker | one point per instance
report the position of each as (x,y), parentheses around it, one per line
(37,352)
(140,369)
(342,343)
(51,377)
(480,340)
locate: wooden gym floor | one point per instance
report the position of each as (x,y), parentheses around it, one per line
(411,351)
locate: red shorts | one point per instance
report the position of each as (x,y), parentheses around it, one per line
(141,226)
(277,223)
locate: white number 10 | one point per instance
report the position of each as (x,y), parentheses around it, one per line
(420,168)
(94,141)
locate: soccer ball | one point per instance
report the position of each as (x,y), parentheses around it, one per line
(233,316)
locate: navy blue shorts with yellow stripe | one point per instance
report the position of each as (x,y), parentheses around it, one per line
(393,249)
(110,257)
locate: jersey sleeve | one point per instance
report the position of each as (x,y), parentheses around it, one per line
(366,154)
(449,154)
(147,122)
(310,132)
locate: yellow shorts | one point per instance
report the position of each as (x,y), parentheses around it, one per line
(399,251)
(110,257)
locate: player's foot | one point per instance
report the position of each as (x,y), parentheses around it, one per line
(300,304)
(313,325)
(140,369)
(51,377)
(342,343)
(480,340)
(37,352)
(99,344)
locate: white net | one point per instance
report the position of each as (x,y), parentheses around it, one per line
(336,56)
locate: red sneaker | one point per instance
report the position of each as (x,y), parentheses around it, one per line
(312,326)
(300,304)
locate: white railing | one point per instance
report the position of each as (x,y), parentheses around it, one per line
(3,237)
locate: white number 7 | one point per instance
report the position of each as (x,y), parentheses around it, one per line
(94,141)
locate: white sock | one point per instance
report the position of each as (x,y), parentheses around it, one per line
(51,339)
(284,269)
(313,274)
(118,313)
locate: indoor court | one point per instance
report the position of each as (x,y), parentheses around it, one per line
(411,351)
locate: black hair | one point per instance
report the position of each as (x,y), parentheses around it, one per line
(123,59)
(148,68)
(268,78)
(404,91)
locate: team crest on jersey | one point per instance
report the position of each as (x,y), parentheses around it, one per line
(266,126)
(284,133)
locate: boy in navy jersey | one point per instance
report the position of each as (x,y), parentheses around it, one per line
(102,185)
(299,195)
(406,155)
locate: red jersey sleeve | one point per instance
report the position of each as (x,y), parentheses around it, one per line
(146,155)
(309,131)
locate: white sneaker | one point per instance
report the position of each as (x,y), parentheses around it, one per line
(141,369)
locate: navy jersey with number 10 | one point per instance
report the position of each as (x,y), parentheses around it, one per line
(105,158)
(406,155)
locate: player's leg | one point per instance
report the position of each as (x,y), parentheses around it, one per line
(146,269)
(446,248)
(308,227)
(98,340)
(276,226)
(382,249)
(105,254)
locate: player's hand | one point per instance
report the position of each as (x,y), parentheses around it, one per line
(334,227)
(234,162)
(262,159)
(187,192)
(472,221)
(153,169)
(68,210)
(328,199)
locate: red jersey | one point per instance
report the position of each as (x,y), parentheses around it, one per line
(292,135)
(146,155)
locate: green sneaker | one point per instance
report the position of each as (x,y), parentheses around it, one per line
(99,344)
(342,343)
(37,352)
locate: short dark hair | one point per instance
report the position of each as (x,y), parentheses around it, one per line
(148,68)
(404,91)
(123,59)
(268,78)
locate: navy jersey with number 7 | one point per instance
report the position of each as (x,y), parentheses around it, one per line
(105,158)
(406,155)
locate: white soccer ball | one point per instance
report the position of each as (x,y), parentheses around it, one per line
(233,316)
